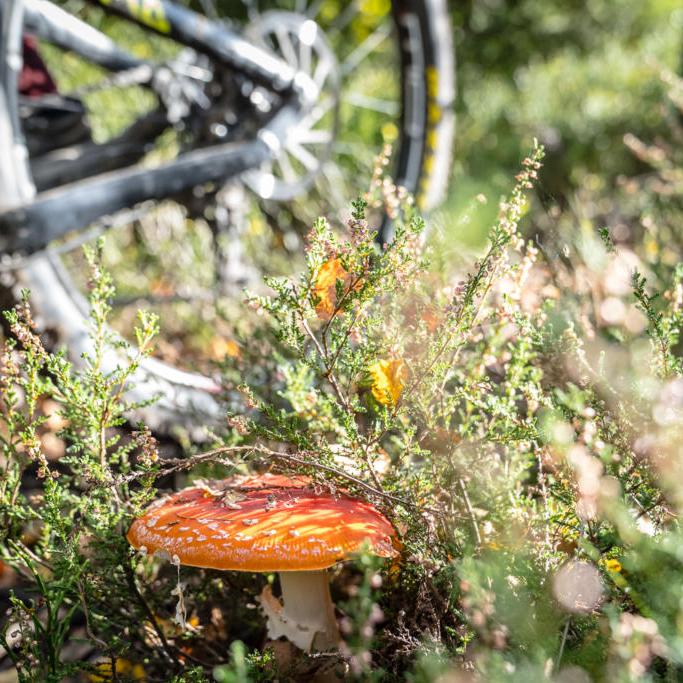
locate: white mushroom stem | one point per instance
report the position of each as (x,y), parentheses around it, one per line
(306,614)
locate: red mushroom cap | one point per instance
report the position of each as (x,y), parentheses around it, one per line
(262,523)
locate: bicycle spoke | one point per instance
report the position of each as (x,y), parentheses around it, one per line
(323,107)
(381,106)
(209,9)
(321,72)
(285,165)
(252,8)
(305,56)
(307,36)
(313,10)
(314,137)
(373,41)
(303,155)
(333,178)
(346,17)
(287,47)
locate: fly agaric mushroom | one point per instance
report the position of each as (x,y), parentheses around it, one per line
(269,523)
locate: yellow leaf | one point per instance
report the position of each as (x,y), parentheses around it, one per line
(388,378)
(123,666)
(325,287)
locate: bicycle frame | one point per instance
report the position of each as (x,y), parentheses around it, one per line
(28,227)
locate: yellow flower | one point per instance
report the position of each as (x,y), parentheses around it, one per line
(388,378)
(613,565)
(325,287)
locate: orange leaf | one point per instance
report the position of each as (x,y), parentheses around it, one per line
(325,287)
(220,348)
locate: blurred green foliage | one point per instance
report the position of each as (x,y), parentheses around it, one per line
(577,75)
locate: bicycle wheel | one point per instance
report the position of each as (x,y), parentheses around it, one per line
(355,51)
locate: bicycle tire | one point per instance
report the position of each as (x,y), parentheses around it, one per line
(422,166)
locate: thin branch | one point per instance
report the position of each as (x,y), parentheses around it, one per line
(86,613)
(148,611)
(303,458)
(347,334)
(309,332)
(327,373)
(371,469)
(562,644)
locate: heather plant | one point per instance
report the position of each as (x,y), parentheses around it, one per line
(520,435)
(505,449)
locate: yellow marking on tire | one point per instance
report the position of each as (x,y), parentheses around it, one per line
(150,13)
(434,116)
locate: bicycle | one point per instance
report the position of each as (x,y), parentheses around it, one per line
(259,98)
